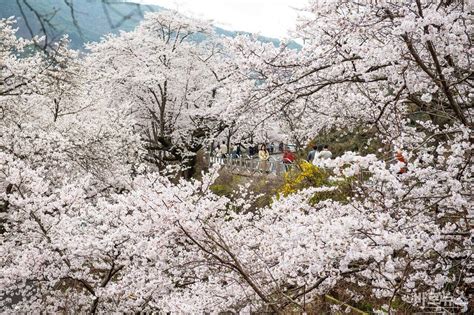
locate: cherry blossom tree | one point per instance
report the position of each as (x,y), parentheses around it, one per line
(367,63)
(90,228)
(172,73)
(404,71)
(48,124)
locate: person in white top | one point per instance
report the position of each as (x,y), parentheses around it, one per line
(223,150)
(324,154)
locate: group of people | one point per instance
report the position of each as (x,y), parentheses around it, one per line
(270,147)
(253,150)
(262,151)
(318,154)
(223,152)
(321,153)
(288,157)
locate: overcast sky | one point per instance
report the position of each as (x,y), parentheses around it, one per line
(267,17)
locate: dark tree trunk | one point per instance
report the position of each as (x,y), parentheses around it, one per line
(190,164)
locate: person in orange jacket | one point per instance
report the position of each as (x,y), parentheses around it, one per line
(399,157)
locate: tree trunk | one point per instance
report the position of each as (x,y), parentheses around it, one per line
(190,164)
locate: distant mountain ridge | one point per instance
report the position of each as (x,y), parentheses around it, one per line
(86,20)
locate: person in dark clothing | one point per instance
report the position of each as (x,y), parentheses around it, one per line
(255,149)
(251,150)
(311,153)
(238,150)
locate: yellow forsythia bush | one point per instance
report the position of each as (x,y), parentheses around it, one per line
(306,175)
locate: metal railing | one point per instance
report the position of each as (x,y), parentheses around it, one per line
(252,165)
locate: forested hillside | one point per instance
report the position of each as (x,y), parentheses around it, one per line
(86,20)
(82,20)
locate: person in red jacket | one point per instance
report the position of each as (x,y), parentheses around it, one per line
(288,158)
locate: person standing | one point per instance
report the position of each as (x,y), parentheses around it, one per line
(400,158)
(238,151)
(325,154)
(223,150)
(288,158)
(312,153)
(233,153)
(255,149)
(250,150)
(320,157)
(269,149)
(263,156)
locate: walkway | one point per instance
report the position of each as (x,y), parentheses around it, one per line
(249,167)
